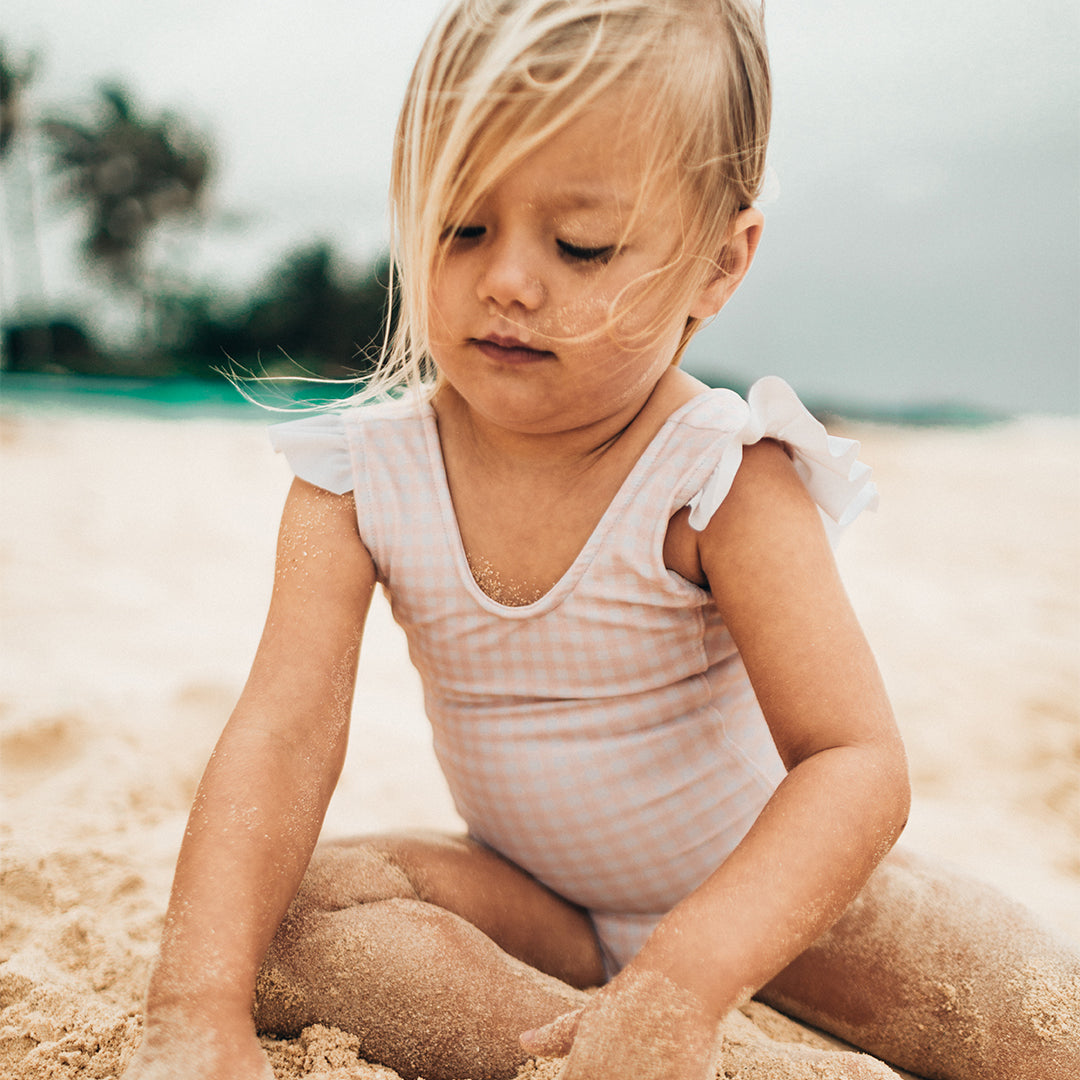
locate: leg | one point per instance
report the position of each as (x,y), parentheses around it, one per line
(942,976)
(435,951)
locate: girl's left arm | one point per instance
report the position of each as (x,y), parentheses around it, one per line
(845,798)
(836,814)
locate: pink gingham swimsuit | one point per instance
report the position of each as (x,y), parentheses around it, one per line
(605,738)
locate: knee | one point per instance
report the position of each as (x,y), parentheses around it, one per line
(344,876)
(335,966)
(319,950)
(339,879)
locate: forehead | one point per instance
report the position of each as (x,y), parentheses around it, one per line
(600,157)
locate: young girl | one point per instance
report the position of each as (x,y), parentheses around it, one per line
(651,700)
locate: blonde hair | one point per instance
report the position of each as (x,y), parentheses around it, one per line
(496,78)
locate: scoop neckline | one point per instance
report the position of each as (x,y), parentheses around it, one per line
(565,585)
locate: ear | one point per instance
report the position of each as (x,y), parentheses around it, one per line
(739,252)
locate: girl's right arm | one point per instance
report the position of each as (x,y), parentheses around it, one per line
(261,802)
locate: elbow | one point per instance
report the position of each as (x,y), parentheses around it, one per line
(901,813)
(883,787)
(904,801)
(895,792)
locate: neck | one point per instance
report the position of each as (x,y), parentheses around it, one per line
(571,451)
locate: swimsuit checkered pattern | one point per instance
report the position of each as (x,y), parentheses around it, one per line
(605,737)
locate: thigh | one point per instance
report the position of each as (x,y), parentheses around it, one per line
(522,916)
(942,975)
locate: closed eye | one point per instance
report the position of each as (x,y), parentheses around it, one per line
(587,254)
(464,232)
(574,252)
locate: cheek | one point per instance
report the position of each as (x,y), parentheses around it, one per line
(443,304)
(631,322)
(598,311)
(583,316)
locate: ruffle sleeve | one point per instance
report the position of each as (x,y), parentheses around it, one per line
(317,450)
(828,465)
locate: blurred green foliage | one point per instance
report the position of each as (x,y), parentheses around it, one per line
(126,173)
(307,315)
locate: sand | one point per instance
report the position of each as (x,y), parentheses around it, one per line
(136,555)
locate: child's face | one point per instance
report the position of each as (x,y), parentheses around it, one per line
(520,307)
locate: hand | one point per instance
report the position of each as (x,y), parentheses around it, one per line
(641,1026)
(171,1050)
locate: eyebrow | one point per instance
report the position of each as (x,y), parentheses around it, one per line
(586,198)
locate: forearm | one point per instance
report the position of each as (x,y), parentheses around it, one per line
(830,822)
(253,825)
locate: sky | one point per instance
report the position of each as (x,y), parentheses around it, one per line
(921,244)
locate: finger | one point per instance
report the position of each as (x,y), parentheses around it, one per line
(554,1039)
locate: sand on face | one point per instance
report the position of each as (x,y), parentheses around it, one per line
(136,556)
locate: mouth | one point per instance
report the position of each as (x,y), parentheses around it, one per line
(507,350)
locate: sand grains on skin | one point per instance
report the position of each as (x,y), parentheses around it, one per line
(137,556)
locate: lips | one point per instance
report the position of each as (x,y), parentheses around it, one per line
(508,350)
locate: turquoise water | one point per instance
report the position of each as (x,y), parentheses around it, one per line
(160,397)
(195,397)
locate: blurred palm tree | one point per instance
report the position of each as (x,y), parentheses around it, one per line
(15,77)
(130,171)
(22,293)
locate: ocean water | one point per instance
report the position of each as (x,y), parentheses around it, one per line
(152,396)
(177,398)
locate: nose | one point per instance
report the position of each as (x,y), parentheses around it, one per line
(510,276)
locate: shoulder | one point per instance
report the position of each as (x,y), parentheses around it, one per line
(767,509)
(768,559)
(767,505)
(323,582)
(324,574)
(826,465)
(323,448)
(318,524)
(765,481)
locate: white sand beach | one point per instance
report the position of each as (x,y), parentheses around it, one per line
(136,555)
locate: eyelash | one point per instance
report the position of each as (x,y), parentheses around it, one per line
(600,255)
